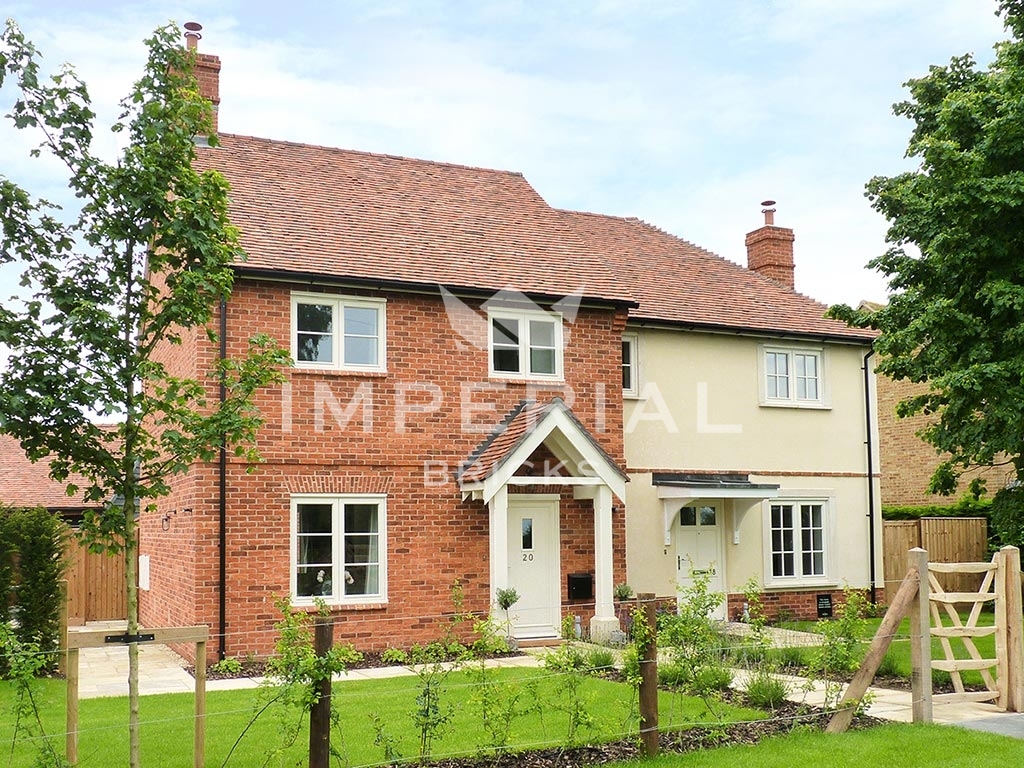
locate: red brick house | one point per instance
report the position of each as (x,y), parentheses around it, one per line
(450,416)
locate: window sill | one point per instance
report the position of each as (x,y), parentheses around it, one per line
(508,378)
(345,372)
(796,404)
(366,605)
(801,583)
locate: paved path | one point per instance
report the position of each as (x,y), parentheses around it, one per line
(104,672)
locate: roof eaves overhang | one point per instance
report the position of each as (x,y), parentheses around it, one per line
(762,333)
(411,286)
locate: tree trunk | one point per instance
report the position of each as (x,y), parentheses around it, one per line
(131,564)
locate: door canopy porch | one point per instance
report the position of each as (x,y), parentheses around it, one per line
(677,489)
(582,464)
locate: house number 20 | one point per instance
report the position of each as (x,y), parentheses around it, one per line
(528,557)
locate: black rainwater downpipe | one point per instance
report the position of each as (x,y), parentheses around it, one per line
(871,477)
(223,491)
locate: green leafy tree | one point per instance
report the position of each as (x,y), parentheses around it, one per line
(955,317)
(146,260)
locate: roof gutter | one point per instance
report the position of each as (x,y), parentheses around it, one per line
(743,330)
(316,278)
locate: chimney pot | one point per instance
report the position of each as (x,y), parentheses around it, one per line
(769,212)
(192,36)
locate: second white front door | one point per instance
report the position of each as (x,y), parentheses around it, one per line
(533,565)
(699,549)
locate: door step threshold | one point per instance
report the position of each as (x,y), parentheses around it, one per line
(540,642)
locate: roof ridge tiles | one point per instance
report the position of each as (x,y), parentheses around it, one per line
(367,153)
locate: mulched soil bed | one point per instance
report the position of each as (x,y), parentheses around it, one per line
(785,719)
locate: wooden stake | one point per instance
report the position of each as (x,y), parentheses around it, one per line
(649,679)
(898,608)
(71,705)
(1014,631)
(199,735)
(920,640)
(320,714)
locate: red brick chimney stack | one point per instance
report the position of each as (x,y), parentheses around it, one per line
(770,249)
(207,68)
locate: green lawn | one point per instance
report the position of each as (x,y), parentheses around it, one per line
(167,721)
(905,746)
(899,649)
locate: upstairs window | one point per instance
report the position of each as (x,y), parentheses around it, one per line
(792,377)
(630,367)
(525,344)
(337,332)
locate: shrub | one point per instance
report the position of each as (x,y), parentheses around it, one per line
(32,565)
(766,691)
(394,656)
(1008,516)
(227,666)
(712,678)
(600,660)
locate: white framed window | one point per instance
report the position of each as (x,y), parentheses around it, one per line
(338,332)
(797,541)
(793,377)
(339,548)
(525,344)
(630,365)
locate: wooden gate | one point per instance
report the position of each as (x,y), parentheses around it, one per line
(96,586)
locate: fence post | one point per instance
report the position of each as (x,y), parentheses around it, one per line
(649,675)
(1010,651)
(62,651)
(920,640)
(199,734)
(71,706)
(320,714)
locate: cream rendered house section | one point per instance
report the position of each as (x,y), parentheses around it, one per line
(701,407)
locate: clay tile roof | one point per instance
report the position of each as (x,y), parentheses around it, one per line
(518,423)
(27,484)
(310,210)
(677,282)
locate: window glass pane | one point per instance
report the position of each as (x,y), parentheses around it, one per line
(314,348)
(688,516)
(542,361)
(506,360)
(788,565)
(360,351)
(360,321)
(506,331)
(707,515)
(360,518)
(317,318)
(778,569)
(362,580)
(818,564)
(542,333)
(315,518)
(314,581)
(527,533)
(360,549)
(627,364)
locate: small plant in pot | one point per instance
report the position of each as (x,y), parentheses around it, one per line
(506,597)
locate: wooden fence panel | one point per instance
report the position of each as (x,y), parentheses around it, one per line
(898,536)
(96,587)
(956,540)
(947,539)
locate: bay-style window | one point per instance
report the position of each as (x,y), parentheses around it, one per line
(339,546)
(525,344)
(337,332)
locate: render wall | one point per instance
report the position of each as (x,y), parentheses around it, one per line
(710,387)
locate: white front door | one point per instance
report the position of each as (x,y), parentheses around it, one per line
(699,549)
(533,565)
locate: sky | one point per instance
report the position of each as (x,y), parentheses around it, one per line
(684,113)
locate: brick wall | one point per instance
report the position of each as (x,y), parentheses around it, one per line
(792,604)
(906,461)
(434,537)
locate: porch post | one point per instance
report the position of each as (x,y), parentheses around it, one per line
(498,507)
(604,621)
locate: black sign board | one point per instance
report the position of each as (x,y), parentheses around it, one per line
(825,606)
